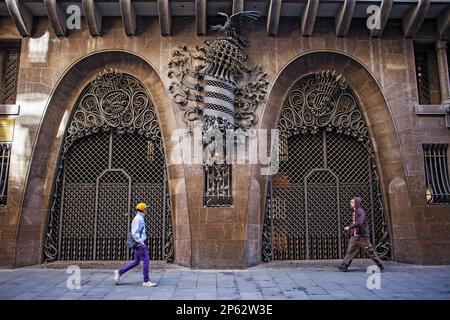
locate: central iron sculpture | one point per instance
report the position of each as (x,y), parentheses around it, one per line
(217,91)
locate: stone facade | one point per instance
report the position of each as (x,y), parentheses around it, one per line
(380,71)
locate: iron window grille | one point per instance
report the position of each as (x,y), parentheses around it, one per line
(426,74)
(10,76)
(217,179)
(5,156)
(218,186)
(436,173)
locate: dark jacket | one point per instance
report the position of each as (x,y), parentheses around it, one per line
(361,224)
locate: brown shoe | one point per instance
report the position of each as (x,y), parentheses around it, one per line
(342,267)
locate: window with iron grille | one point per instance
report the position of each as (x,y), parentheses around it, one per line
(427,73)
(436,173)
(5,154)
(9,59)
(217,186)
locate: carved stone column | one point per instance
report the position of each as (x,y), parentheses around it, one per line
(441,54)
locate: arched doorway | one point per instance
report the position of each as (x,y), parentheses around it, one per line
(325,159)
(112,158)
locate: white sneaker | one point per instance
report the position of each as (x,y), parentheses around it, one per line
(149,284)
(116,276)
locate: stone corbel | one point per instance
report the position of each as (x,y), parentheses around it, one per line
(200,16)
(273,17)
(128,17)
(21,15)
(93,17)
(344,17)
(414,18)
(386,8)
(443,24)
(309,17)
(56,17)
(164,17)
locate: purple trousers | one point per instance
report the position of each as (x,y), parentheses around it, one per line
(139,253)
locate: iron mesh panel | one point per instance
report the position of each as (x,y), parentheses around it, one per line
(87,158)
(154,221)
(300,161)
(347,158)
(77,226)
(11,76)
(323,216)
(112,216)
(129,152)
(148,184)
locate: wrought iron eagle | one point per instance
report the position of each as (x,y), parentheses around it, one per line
(236,24)
(213,81)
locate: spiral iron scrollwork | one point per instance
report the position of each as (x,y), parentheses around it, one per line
(113,101)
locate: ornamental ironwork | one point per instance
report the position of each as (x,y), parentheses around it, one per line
(326,158)
(216,89)
(112,158)
(10,76)
(436,173)
(214,79)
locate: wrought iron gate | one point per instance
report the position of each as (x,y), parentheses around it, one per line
(325,159)
(112,159)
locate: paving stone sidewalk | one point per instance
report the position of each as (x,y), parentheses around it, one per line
(271,281)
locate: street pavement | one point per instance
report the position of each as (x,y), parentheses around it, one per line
(270,281)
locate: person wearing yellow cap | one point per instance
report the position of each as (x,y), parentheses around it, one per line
(136,241)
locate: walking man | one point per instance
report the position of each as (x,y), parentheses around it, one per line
(140,250)
(359,229)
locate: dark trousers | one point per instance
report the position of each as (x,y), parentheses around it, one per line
(360,242)
(140,253)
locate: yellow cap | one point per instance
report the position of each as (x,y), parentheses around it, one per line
(141,206)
